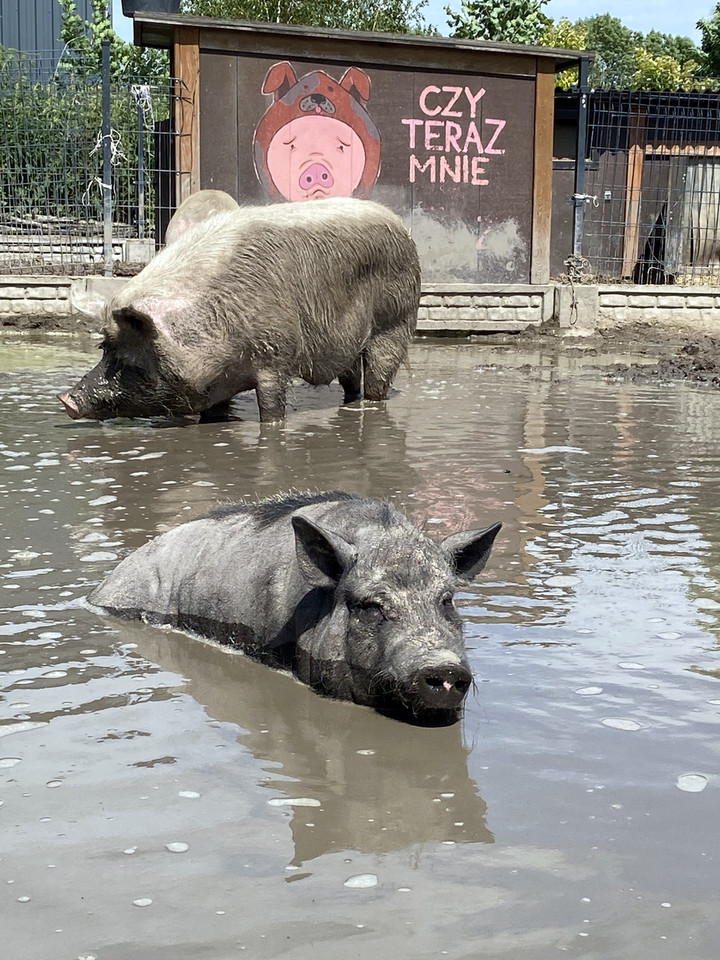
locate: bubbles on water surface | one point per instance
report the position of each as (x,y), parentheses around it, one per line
(621,723)
(177,847)
(692,782)
(362,881)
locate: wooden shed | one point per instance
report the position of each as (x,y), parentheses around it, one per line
(456,136)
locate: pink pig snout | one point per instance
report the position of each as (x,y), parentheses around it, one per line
(316,175)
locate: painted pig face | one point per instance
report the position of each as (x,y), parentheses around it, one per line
(316,139)
(316,157)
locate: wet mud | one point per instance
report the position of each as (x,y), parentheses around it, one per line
(164,798)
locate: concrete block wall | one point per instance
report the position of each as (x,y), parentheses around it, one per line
(461,309)
(469,308)
(623,305)
(34,296)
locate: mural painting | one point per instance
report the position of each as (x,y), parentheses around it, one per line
(316,139)
(452,154)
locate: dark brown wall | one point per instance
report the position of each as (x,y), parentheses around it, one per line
(456,165)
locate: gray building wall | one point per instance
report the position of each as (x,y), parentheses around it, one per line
(34,25)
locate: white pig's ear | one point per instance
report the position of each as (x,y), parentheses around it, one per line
(469,551)
(322,556)
(89,303)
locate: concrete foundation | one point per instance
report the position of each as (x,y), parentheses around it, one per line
(460,309)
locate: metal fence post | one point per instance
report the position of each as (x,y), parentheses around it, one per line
(581,146)
(141,168)
(107,164)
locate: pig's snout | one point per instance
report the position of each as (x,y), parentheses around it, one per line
(443,686)
(316,175)
(71,407)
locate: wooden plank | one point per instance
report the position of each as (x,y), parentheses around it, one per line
(186,69)
(378,51)
(542,172)
(632,209)
(633,191)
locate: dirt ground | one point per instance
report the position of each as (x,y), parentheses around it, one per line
(679,357)
(667,353)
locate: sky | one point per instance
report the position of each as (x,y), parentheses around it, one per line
(667,16)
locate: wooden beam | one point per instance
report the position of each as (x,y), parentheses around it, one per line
(186,68)
(542,172)
(633,192)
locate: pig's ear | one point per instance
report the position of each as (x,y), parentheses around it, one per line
(143,318)
(357,84)
(469,551)
(323,557)
(279,79)
(87,303)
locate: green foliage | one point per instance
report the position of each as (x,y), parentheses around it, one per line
(83,47)
(384,16)
(628,60)
(567,36)
(662,72)
(50,151)
(710,43)
(614,46)
(514,21)
(681,49)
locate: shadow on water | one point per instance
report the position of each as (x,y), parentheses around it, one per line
(352,779)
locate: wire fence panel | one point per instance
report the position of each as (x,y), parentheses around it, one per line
(51,157)
(653,169)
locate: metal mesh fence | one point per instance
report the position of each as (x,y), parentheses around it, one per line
(653,172)
(51,157)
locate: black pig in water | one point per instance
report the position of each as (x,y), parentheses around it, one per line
(342,589)
(250,298)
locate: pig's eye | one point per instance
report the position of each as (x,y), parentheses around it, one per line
(372,608)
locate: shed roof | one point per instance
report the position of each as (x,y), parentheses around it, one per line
(158,30)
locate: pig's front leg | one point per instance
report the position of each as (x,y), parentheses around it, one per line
(351,382)
(270,390)
(217,413)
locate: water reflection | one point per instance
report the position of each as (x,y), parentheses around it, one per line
(374,785)
(155,477)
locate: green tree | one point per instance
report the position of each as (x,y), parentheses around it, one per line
(83,47)
(567,36)
(384,16)
(614,46)
(515,21)
(710,43)
(681,49)
(662,72)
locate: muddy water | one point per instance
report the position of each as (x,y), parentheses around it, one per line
(163,799)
